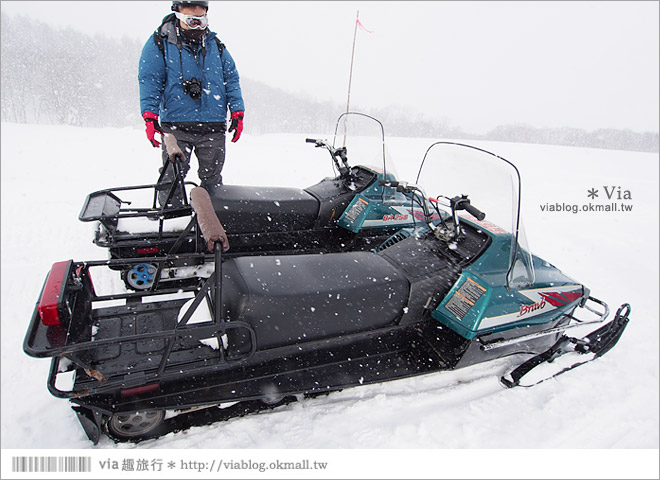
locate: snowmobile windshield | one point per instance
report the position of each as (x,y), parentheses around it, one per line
(492,184)
(363,137)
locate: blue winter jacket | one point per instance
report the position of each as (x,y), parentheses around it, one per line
(160,79)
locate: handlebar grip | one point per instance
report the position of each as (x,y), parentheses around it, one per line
(207,219)
(311,140)
(475,212)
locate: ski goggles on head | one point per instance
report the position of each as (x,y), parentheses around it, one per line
(197,23)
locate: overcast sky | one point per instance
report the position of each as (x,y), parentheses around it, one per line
(474,64)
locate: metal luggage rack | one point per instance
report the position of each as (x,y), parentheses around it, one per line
(147,339)
(108,208)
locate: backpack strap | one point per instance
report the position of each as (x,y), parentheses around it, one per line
(158,39)
(221,46)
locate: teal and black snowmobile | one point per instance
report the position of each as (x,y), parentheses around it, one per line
(450,291)
(347,212)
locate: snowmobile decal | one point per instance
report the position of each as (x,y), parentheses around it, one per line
(419,214)
(560,299)
(525,309)
(365,214)
(464,298)
(398,217)
(544,300)
(358,207)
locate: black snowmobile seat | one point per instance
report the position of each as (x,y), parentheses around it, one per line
(250,209)
(300,298)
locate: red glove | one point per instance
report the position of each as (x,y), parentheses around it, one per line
(152,126)
(236,125)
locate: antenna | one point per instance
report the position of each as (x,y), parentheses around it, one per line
(350,75)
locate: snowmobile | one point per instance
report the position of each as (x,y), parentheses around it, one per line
(348,212)
(453,290)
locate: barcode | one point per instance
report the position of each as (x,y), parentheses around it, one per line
(51,464)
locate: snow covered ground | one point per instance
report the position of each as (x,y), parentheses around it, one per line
(609,404)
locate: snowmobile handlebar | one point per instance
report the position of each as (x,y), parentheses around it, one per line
(207,218)
(463,203)
(457,203)
(172,148)
(404,187)
(337,154)
(475,212)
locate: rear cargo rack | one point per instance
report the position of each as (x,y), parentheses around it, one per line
(111,205)
(141,338)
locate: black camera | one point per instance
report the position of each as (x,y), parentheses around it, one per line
(193,87)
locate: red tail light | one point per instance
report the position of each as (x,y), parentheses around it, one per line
(50,297)
(129,392)
(148,250)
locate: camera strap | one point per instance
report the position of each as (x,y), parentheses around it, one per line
(203,52)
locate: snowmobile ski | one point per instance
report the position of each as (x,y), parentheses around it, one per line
(598,343)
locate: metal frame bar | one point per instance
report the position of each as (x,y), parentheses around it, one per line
(523,338)
(217,328)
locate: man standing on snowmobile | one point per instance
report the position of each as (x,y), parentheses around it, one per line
(189,80)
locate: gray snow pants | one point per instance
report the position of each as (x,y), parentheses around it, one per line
(208,142)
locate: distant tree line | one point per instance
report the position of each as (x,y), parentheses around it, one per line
(607,138)
(61,76)
(65,77)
